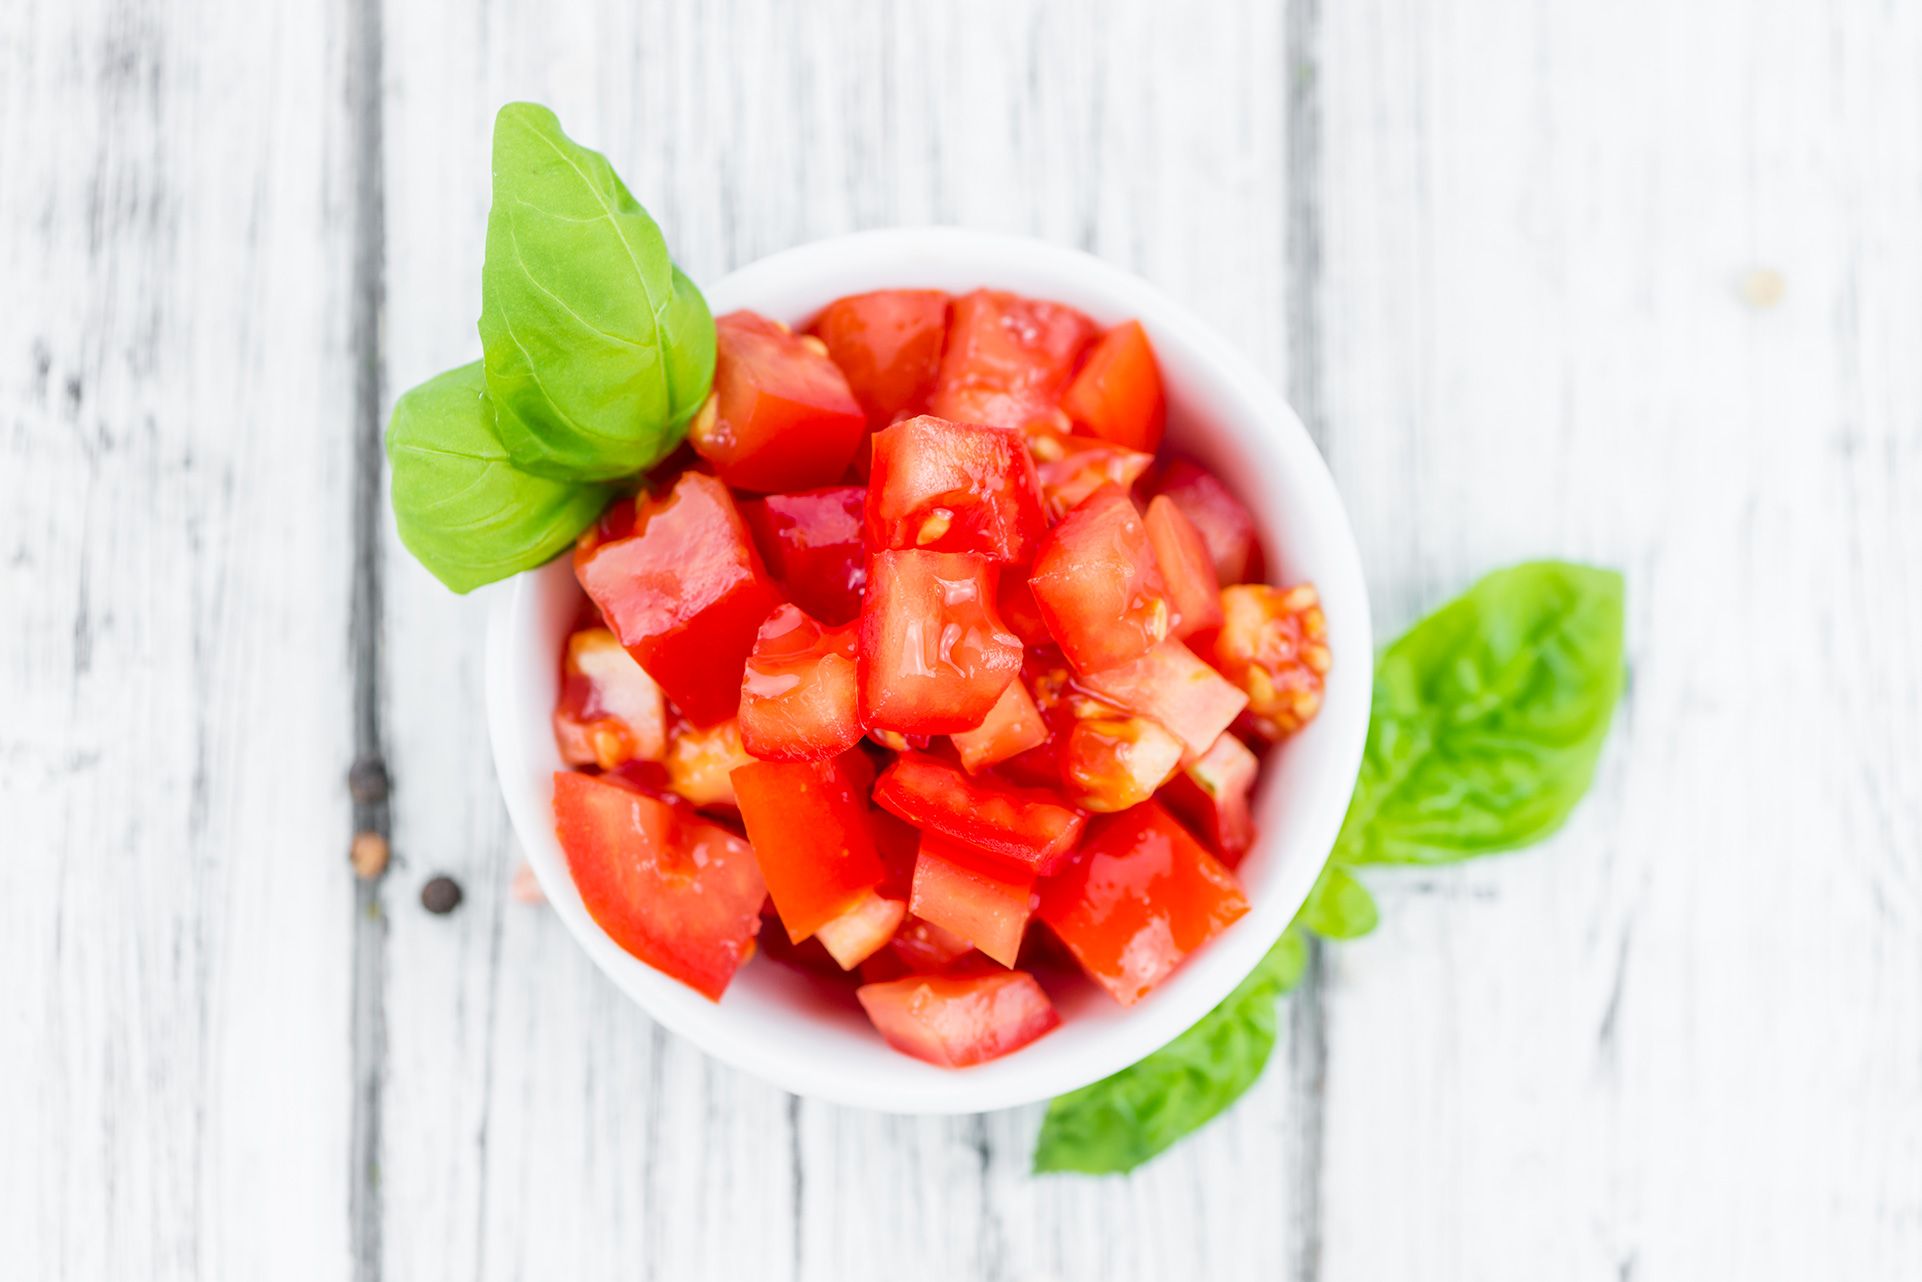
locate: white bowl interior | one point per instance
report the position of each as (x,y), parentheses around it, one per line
(807,1037)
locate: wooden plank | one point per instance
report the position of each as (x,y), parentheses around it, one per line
(175,385)
(1685,1039)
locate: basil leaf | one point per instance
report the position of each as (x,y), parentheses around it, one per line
(598,350)
(1119,1122)
(1488,718)
(464,511)
(1339,907)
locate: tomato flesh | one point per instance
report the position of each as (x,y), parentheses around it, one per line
(1007,359)
(782,417)
(954,487)
(808,823)
(1170,685)
(862,930)
(700,763)
(888,344)
(1097,584)
(1141,897)
(1224,524)
(1070,468)
(934,654)
(1011,727)
(1273,643)
(609,711)
(798,694)
(811,543)
(1112,763)
(1212,796)
(957,1021)
(1194,594)
(977,897)
(680,893)
(685,593)
(1025,827)
(1117,395)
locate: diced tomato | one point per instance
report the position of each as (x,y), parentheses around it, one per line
(781,416)
(862,930)
(934,654)
(680,893)
(1170,685)
(954,487)
(955,1022)
(1097,584)
(1112,763)
(1224,524)
(1117,395)
(1274,644)
(811,542)
(1007,358)
(1026,827)
(924,948)
(810,956)
(1187,569)
(1070,468)
(700,763)
(610,710)
(1011,727)
(809,827)
(798,696)
(685,593)
(978,897)
(1141,896)
(1212,797)
(888,344)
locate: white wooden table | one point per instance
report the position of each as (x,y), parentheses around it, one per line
(1517,262)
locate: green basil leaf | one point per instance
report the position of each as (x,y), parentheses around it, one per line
(1488,718)
(598,350)
(464,510)
(1339,907)
(1119,1122)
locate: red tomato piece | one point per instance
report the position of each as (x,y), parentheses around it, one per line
(809,826)
(609,711)
(1140,898)
(954,487)
(957,1021)
(862,930)
(979,898)
(888,344)
(1011,727)
(1007,359)
(1224,524)
(798,695)
(680,893)
(1026,827)
(1117,395)
(1212,796)
(1070,468)
(934,654)
(781,416)
(1015,599)
(685,593)
(811,542)
(1187,569)
(1171,686)
(1097,584)
(1112,763)
(1273,643)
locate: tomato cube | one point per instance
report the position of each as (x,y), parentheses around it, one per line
(811,543)
(1070,468)
(977,897)
(1026,827)
(808,822)
(1097,584)
(1112,763)
(680,893)
(1194,594)
(888,344)
(1015,600)
(1212,796)
(798,697)
(1117,395)
(701,762)
(685,593)
(954,487)
(1170,685)
(1011,727)
(934,654)
(1139,898)
(1273,643)
(1007,359)
(1225,526)
(781,416)
(953,1022)
(610,710)
(862,930)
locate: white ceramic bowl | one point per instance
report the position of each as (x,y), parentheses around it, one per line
(777,1024)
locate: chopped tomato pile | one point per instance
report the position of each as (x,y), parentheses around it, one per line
(925,670)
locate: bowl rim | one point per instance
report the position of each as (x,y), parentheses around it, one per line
(1212,973)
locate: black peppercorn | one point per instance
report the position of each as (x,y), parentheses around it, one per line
(367,781)
(440,896)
